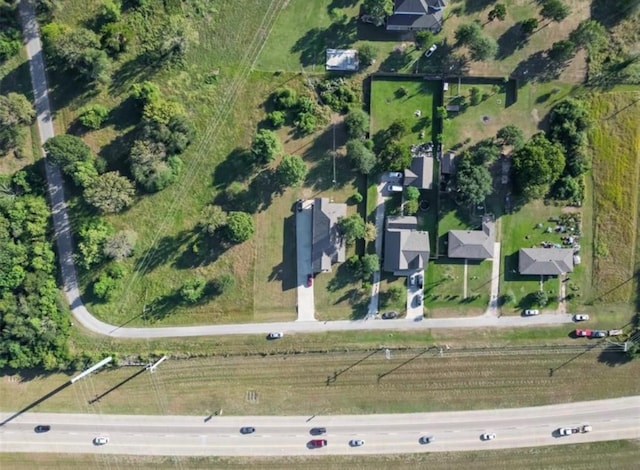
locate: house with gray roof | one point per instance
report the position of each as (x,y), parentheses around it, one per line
(545,261)
(415,15)
(420,173)
(327,244)
(472,244)
(406,249)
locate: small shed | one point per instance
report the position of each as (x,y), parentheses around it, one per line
(342,59)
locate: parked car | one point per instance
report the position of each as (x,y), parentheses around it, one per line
(356,442)
(488,436)
(42,428)
(317,443)
(309,280)
(389,315)
(247,430)
(418,300)
(300,205)
(100,440)
(412,280)
(531,312)
(599,334)
(580,317)
(426,439)
(395,175)
(431,50)
(394,188)
(584,333)
(275,335)
(420,279)
(317,431)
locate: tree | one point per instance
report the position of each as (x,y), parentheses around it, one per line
(465,33)
(66,151)
(176,135)
(411,207)
(79,51)
(150,167)
(306,123)
(15,112)
(366,55)
(499,11)
(511,135)
(529,26)
(370,232)
(145,93)
(568,188)
(110,193)
(265,146)
(411,193)
(352,228)
(292,171)
(378,9)
(361,157)
(473,182)
(356,123)
(395,156)
(121,245)
(93,235)
(276,119)
(109,11)
(93,116)
(212,218)
(483,47)
(562,50)
(423,38)
(223,283)
(555,10)
(239,227)
(369,264)
(284,98)
(589,34)
(193,289)
(541,298)
(569,122)
(536,166)
(475,96)
(104,288)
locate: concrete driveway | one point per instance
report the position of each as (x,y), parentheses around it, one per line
(305,298)
(415,309)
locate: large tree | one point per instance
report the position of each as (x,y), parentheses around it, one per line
(266,146)
(472,181)
(212,218)
(356,123)
(73,156)
(79,51)
(150,166)
(536,166)
(395,156)
(110,193)
(589,34)
(483,47)
(292,171)
(15,112)
(562,51)
(511,135)
(378,9)
(239,227)
(352,227)
(361,157)
(499,11)
(120,245)
(555,10)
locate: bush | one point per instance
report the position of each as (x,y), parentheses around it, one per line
(93,116)
(276,119)
(423,39)
(336,94)
(366,55)
(541,298)
(223,283)
(357,124)
(306,123)
(104,287)
(265,146)
(193,289)
(475,96)
(239,227)
(284,98)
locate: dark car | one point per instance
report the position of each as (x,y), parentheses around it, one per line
(317,443)
(426,439)
(599,334)
(299,205)
(42,428)
(247,430)
(389,315)
(317,431)
(309,280)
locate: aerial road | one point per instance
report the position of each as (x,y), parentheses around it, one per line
(292,435)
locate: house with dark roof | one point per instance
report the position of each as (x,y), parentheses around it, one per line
(545,261)
(472,244)
(406,249)
(327,244)
(415,15)
(448,164)
(420,172)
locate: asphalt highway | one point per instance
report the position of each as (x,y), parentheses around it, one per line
(383,434)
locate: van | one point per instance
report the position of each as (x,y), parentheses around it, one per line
(394,188)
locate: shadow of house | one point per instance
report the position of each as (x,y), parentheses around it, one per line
(545,261)
(313,45)
(406,249)
(328,246)
(416,15)
(472,244)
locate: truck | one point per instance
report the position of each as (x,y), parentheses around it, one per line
(615,332)
(574,430)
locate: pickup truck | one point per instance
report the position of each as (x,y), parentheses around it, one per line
(576,430)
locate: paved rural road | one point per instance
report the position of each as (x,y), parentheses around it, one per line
(70,280)
(383,434)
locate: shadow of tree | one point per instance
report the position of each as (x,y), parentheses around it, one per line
(163,251)
(160,307)
(343,277)
(237,166)
(313,45)
(538,66)
(137,69)
(474,6)
(116,152)
(396,60)
(613,358)
(340,4)
(202,250)
(611,13)
(510,41)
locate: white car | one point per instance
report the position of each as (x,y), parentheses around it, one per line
(531,312)
(275,335)
(356,442)
(581,317)
(100,440)
(431,50)
(488,436)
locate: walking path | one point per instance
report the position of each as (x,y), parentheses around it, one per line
(495,282)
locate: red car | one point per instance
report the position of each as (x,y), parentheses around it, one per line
(309,280)
(317,443)
(585,333)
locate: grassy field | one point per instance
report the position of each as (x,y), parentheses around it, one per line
(388,106)
(417,379)
(616,165)
(592,456)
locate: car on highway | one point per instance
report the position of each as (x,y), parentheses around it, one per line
(275,335)
(568,431)
(426,439)
(309,280)
(100,440)
(531,312)
(599,334)
(42,428)
(317,431)
(488,436)
(317,443)
(247,430)
(431,50)
(583,333)
(389,315)
(580,317)
(356,442)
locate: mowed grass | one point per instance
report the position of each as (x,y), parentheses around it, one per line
(358,382)
(590,456)
(388,106)
(615,141)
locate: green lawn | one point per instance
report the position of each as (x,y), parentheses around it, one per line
(388,106)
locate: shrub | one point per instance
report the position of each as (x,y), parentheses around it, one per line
(366,55)
(104,287)
(239,227)
(276,119)
(284,98)
(93,116)
(193,289)
(306,123)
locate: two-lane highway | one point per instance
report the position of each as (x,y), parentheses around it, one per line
(383,434)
